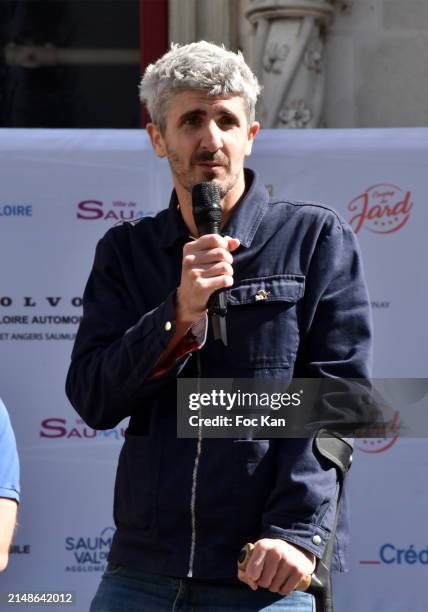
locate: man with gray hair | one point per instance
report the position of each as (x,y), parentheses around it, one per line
(298,306)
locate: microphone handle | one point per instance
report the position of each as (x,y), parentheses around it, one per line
(217,304)
(217,308)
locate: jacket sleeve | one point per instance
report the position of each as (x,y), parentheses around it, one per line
(336,334)
(9,462)
(117,347)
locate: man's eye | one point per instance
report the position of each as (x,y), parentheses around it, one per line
(227,121)
(193,121)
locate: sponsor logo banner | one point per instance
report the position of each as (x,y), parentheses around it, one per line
(391,554)
(15,210)
(89,553)
(118,210)
(57,427)
(382,209)
(22,318)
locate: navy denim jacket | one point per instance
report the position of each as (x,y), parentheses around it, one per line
(315,322)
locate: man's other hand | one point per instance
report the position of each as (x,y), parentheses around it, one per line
(207,267)
(8,512)
(277,565)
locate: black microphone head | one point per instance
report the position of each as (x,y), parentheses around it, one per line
(207,208)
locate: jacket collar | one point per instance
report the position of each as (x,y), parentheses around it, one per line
(249,212)
(174,228)
(243,223)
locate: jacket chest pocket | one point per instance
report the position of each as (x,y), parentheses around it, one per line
(263,332)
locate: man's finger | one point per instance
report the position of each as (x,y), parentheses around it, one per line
(290,583)
(218,269)
(271,566)
(255,564)
(208,241)
(244,578)
(279,578)
(212,255)
(232,243)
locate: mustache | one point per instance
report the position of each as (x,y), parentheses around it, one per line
(214,158)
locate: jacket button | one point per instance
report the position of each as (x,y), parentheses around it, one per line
(316,540)
(168,326)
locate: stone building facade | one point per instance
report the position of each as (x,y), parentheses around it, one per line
(323,63)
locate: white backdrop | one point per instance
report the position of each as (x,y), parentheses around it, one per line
(60,191)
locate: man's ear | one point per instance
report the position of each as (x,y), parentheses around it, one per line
(156,138)
(252,133)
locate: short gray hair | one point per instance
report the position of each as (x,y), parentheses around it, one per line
(199,65)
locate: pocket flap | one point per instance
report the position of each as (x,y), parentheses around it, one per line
(277,288)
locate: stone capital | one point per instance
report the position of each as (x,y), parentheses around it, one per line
(280,9)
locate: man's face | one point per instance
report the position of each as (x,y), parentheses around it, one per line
(206,138)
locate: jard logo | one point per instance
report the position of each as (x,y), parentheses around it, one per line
(89,553)
(382,439)
(119,210)
(382,209)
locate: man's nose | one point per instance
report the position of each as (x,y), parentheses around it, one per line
(212,137)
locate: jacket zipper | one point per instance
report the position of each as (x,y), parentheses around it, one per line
(195,478)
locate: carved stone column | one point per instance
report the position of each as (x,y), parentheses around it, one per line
(287,54)
(212,20)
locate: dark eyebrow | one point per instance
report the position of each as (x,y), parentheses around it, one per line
(229,115)
(197,112)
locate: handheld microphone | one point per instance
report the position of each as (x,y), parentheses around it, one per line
(208,214)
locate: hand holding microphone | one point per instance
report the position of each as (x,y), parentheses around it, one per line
(207,263)
(206,268)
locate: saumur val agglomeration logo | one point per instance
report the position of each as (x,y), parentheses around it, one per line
(382,209)
(88,553)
